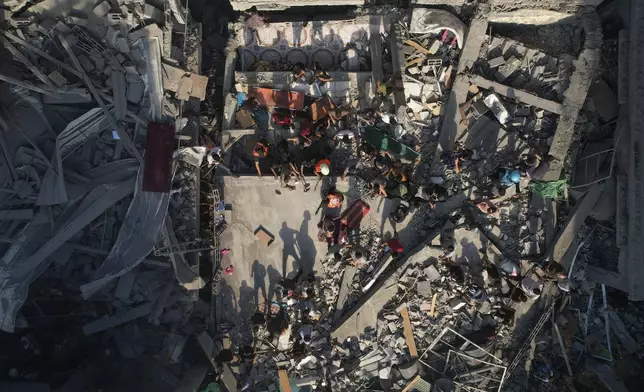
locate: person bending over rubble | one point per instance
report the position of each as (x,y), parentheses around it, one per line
(508,177)
(302,74)
(260,152)
(394,247)
(434,193)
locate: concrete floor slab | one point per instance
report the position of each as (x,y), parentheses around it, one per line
(290,218)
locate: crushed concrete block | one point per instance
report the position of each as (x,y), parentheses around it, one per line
(409,370)
(135,91)
(496,62)
(424,289)
(86,63)
(57,78)
(436,45)
(496,106)
(415,106)
(432,273)
(151,12)
(102,9)
(604,100)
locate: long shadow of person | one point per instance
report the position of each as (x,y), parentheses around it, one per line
(258,273)
(247,307)
(305,244)
(288,238)
(273,279)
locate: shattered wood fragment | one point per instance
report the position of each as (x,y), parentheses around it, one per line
(417,46)
(285,382)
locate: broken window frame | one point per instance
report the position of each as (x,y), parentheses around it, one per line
(454,334)
(451,355)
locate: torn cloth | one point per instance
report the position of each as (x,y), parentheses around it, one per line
(549,189)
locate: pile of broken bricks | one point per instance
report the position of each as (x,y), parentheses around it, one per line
(513,64)
(428,74)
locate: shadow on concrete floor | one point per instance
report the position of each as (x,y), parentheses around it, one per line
(288,235)
(305,245)
(258,273)
(298,245)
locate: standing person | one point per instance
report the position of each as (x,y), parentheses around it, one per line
(260,152)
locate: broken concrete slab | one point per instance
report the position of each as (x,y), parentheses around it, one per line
(513,93)
(124,286)
(35,260)
(586,67)
(576,218)
(16,214)
(345,287)
(604,100)
(118,319)
(146,215)
(365,312)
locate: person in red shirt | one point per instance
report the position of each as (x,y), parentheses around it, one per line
(394,246)
(322,167)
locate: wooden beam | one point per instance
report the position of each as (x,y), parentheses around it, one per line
(285,382)
(409,333)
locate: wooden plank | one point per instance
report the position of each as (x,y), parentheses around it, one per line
(409,333)
(522,96)
(285,383)
(433,309)
(417,46)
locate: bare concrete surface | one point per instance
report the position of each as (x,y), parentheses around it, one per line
(575,96)
(290,218)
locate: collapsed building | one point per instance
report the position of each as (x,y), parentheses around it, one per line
(115,221)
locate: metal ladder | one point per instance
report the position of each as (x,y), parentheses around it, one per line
(526,344)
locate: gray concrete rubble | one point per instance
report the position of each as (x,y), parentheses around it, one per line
(73,210)
(338,197)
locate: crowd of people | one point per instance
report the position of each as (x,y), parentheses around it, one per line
(308,151)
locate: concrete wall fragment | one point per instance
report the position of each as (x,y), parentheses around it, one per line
(426,20)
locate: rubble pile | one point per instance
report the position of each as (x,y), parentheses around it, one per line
(510,62)
(104,181)
(429,67)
